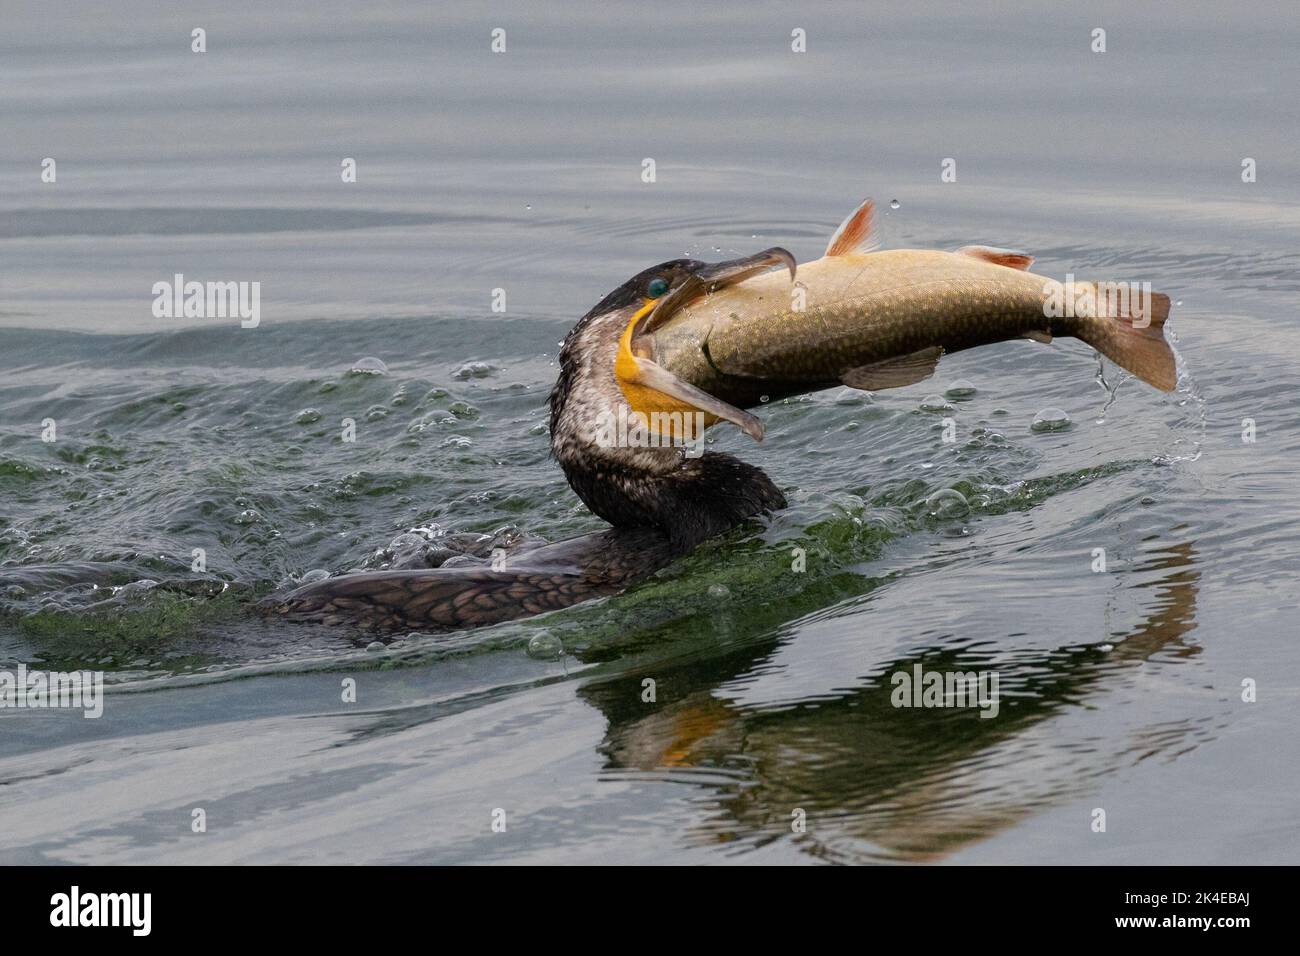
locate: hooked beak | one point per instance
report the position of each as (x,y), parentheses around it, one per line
(738,270)
(711,278)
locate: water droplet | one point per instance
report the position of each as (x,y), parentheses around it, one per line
(1050,420)
(934,403)
(947,503)
(894,204)
(307,416)
(545,647)
(368,366)
(314,575)
(719,592)
(960,389)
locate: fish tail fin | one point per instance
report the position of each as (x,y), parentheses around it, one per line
(1129,330)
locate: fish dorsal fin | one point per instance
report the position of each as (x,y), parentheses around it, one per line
(1010,258)
(894,372)
(855,234)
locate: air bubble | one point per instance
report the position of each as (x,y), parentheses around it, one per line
(1050,420)
(368,366)
(947,503)
(473,370)
(545,647)
(960,389)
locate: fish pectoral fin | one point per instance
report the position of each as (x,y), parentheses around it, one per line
(856,234)
(1010,258)
(652,375)
(895,372)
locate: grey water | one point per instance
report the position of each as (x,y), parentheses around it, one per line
(1164,691)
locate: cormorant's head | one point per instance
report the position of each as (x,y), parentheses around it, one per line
(622,426)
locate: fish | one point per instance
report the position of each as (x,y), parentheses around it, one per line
(871,319)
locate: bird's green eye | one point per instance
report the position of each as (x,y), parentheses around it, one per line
(657,288)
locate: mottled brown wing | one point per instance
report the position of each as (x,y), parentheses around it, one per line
(438,598)
(541,579)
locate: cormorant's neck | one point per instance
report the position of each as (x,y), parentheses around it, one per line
(691,500)
(687,498)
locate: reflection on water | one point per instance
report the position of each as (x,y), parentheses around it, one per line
(879,780)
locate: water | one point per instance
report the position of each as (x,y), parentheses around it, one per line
(772,686)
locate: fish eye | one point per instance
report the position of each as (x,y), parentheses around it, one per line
(657,288)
